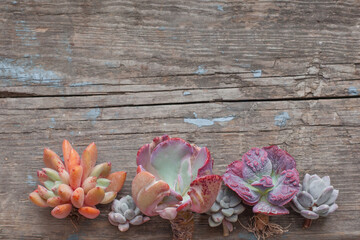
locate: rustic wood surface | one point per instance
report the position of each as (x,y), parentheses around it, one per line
(229,75)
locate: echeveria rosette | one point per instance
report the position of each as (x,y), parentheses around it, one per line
(315,199)
(266,178)
(174,176)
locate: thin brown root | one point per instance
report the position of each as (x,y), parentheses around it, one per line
(269,230)
(75,219)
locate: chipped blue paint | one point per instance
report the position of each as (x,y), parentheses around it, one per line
(173,37)
(22,71)
(73,236)
(236,59)
(220,8)
(93,114)
(52,123)
(200,122)
(222,52)
(80,84)
(162,28)
(186,93)
(69,59)
(257,73)
(188,40)
(353,91)
(195,115)
(14,2)
(30,181)
(247,236)
(280,119)
(27,35)
(72,133)
(112,64)
(201,70)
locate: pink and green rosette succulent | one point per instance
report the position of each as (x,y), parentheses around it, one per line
(174,176)
(266,178)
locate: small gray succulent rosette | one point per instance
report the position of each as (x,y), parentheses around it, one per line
(225,209)
(124,212)
(316,197)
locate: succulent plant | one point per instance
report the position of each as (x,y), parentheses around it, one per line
(266,179)
(315,199)
(225,210)
(124,212)
(174,177)
(77,184)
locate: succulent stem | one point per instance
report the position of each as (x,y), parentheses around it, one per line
(307,223)
(225,229)
(183,225)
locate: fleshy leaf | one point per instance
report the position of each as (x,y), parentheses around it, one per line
(74,160)
(94,196)
(75,176)
(66,147)
(331,209)
(77,197)
(89,184)
(285,189)
(89,212)
(52,160)
(65,192)
(61,211)
(117,181)
(88,160)
(255,165)
(233,178)
(333,197)
(267,208)
(103,182)
(37,200)
(54,201)
(280,159)
(325,195)
(109,197)
(64,176)
(316,188)
(148,193)
(305,199)
(44,193)
(101,170)
(309,214)
(52,174)
(167,157)
(203,192)
(321,210)
(202,163)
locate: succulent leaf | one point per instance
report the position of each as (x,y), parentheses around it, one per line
(65,192)
(88,160)
(77,197)
(75,176)
(61,211)
(89,212)
(94,196)
(101,170)
(103,182)
(52,160)
(117,181)
(54,201)
(266,177)
(52,174)
(89,184)
(37,200)
(66,148)
(74,160)
(109,197)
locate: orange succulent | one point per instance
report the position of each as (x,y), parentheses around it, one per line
(76,183)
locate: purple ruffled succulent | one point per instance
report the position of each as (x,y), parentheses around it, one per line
(266,178)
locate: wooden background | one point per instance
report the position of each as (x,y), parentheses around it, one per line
(229,75)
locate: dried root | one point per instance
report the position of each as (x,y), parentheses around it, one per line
(183,226)
(260,226)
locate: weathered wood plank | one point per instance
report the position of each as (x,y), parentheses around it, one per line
(319,134)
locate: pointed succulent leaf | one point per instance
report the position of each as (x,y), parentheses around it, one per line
(94,196)
(65,192)
(88,160)
(42,177)
(285,189)
(264,207)
(44,193)
(233,178)
(309,214)
(64,176)
(322,209)
(77,197)
(37,200)
(306,182)
(103,182)
(54,201)
(305,199)
(89,212)
(56,186)
(66,147)
(333,197)
(316,188)
(52,160)
(117,181)
(74,160)
(52,174)
(331,209)
(325,195)
(75,176)
(203,192)
(280,159)
(61,211)
(101,170)
(109,197)
(89,184)
(49,184)
(326,180)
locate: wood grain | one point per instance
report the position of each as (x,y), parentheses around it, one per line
(226,75)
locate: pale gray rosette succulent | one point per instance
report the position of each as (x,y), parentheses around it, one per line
(225,209)
(124,212)
(316,197)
